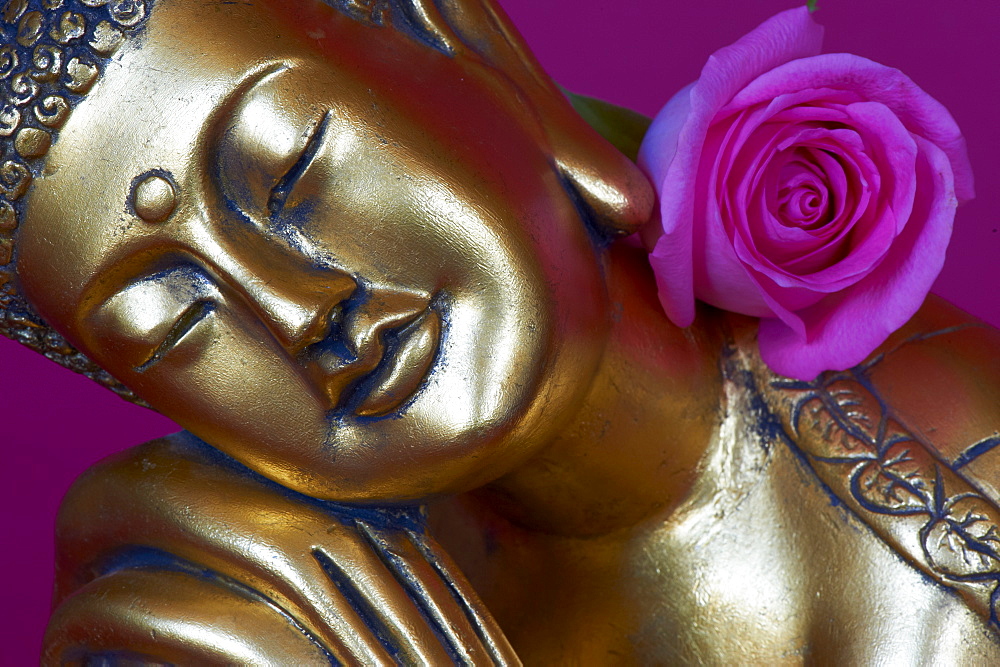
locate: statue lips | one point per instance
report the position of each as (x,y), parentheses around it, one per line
(410,351)
(376,353)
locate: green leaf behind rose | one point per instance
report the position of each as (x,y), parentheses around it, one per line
(622,127)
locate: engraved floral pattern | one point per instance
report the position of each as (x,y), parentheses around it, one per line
(848,435)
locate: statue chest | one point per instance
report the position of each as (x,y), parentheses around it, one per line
(769,568)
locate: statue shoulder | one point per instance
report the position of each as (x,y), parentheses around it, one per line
(936,381)
(143,573)
(940,377)
(909,441)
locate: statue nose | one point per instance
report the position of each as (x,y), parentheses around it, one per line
(298,308)
(355,343)
(297,304)
(291,295)
(615,193)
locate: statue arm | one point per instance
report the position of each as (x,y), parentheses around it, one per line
(170,552)
(169,617)
(935,383)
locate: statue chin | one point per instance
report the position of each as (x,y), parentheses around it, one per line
(367,255)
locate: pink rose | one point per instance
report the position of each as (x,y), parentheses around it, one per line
(816,192)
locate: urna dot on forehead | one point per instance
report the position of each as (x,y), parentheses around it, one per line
(52,53)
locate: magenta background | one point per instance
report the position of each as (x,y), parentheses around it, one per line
(635,53)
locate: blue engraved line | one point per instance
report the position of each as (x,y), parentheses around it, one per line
(859,497)
(865,457)
(81,656)
(355,392)
(279,193)
(971,541)
(385,518)
(882,445)
(768,418)
(415,590)
(994,600)
(188,320)
(940,499)
(819,388)
(599,236)
(401,13)
(844,421)
(419,541)
(860,375)
(937,506)
(149,558)
(359,603)
(974,451)
(877,359)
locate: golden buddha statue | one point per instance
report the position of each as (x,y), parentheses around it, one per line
(363,252)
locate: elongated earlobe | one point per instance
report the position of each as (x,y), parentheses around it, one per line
(617,208)
(618,197)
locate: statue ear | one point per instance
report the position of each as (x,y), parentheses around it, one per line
(617,195)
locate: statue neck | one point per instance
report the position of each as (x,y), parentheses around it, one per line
(633,448)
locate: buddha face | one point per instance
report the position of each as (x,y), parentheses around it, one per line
(342,257)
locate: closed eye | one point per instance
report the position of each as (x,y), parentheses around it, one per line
(187,321)
(148,314)
(280,191)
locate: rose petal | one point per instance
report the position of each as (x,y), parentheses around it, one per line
(893,179)
(671,236)
(799,195)
(663,134)
(672,149)
(848,326)
(920,113)
(720,277)
(785,308)
(863,236)
(736,206)
(896,154)
(785,245)
(787,36)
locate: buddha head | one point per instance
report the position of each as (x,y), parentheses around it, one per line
(357,245)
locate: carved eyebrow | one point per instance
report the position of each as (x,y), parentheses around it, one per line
(281,189)
(223,115)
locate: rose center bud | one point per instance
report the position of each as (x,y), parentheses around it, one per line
(803,196)
(809,206)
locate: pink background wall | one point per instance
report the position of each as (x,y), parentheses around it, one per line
(633,53)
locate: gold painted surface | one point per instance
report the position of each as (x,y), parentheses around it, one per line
(375,268)
(155,198)
(770,557)
(281,566)
(329,204)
